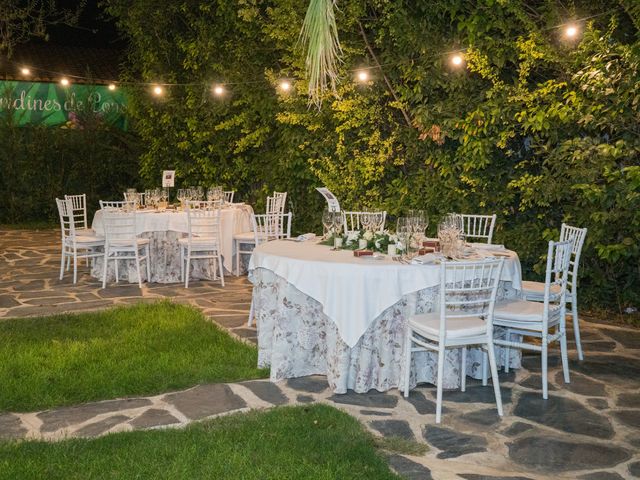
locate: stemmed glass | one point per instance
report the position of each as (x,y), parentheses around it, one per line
(327,222)
(419,223)
(337,223)
(404,230)
(376,219)
(182,196)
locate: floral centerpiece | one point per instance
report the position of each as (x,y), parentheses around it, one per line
(376,241)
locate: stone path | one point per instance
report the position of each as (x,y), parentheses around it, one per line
(589,429)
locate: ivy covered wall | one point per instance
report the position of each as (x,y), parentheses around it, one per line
(535,128)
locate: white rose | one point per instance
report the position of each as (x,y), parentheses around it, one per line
(368,236)
(353,237)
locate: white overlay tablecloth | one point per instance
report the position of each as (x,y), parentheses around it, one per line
(354,291)
(164,229)
(324,312)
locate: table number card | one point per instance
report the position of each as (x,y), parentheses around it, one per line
(168,178)
(332,201)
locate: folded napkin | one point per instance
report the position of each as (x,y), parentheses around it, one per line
(427,259)
(306,237)
(487,246)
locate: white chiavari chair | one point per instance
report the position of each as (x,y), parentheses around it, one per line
(79,213)
(203,240)
(264,228)
(535,290)
(478,227)
(544,320)
(228,196)
(117,204)
(465,317)
(75,244)
(121,239)
(353,221)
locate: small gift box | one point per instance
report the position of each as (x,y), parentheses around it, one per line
(362,253)
(431,243)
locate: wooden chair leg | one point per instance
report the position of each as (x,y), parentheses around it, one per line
(221,268)
(494,377)
(105,262)
(137,256)
(75,266)
(576,325)
(439,383)
(148,249)
(463,369)
(62,263)
(544,355)
(407,364)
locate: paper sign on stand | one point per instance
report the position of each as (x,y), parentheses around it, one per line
(168,178)
(332,201)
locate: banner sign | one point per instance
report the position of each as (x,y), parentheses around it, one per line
(51,104)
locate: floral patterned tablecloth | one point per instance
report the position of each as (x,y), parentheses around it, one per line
(163,229)
(296,338)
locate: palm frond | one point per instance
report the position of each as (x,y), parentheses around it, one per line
(319,35)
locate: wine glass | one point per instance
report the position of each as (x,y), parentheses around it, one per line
(375,221)
(337,223)
(404,230)
(182,196)
(327,222)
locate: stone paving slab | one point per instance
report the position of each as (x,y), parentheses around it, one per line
(589,429)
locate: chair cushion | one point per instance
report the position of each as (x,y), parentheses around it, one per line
(428,325)
(522,311)
(537,289)
(86,239)
(245,236)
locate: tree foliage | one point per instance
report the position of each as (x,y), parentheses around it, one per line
(20,20)
(536,128)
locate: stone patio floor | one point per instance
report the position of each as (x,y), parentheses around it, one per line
(589,429)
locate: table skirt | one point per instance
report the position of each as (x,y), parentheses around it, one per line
(296,339)
(164,258)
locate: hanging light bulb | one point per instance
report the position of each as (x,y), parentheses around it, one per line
(457,60)
(284,85)
(64,82)
(25,71)
(571,31)
(112,86)
(362,76)
(157,90)
(218,90)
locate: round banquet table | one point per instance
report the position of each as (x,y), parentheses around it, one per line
(163,229)
(327,312)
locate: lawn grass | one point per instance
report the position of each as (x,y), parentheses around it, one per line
(309,442)
(139,350)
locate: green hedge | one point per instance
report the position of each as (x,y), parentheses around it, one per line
(39,163)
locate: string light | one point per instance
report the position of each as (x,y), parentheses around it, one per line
(218,90)
(571,31)
(362,76)
(457,60)
(284,85)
